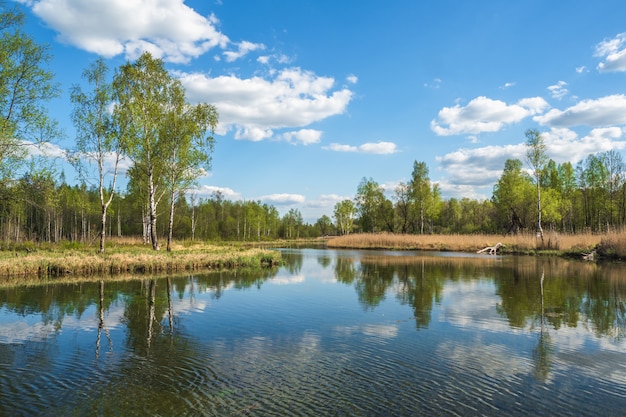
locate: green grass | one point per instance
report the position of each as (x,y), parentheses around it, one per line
(126,257)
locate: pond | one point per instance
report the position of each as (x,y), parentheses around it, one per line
(333,332)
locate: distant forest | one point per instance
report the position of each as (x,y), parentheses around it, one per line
(141,115)
(590,196)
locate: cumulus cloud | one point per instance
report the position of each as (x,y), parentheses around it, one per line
(483,114)
(613,51)
(302,136)
(327,201)
(558,90)
(602,112)
(210,190)
(169,29)
(283,199)
(564,145)
(243,48)
(466,169)
(255,106)
(378,148)
(353,79)
(480,166)
(45,149)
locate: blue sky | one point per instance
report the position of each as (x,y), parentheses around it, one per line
(315,95)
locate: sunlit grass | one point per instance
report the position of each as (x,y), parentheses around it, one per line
(126,256)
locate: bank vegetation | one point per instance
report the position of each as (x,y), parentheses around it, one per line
(127,256)
(607,245)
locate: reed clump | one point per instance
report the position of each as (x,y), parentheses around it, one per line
(553,243)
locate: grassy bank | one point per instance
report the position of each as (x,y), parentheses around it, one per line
(126,256)
(608,245)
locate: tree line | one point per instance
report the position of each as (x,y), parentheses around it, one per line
(140,114)
(589,196)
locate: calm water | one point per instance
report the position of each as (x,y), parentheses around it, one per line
(338,333)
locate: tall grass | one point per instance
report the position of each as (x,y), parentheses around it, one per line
(523,243)
(127,257)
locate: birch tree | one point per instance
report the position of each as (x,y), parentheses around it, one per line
(145,93)
(188,143)
(537,159)
(25,85)
(96,139)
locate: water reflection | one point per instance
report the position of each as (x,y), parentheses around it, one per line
(331,332)
(531,290)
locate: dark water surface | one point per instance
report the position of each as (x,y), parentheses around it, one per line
(333,333)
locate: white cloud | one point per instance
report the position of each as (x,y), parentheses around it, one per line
(352,79)
(209,190)
(243,48)
(302,136)
(436,83)
(454,190)
(283,199)
(327,201)
(613,51)
(168,28)
(582,69)
(253,107)
(558,90)
(46,149)
(483,114)
(480,166)
(507,85)
(564,145)
(341,148)
(602,112)
(378,148)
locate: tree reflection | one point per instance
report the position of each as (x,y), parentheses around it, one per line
(101,325)
(420,287)
(543,350)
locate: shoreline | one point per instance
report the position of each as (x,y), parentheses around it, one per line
(611,246)
(52,261)
(130,257)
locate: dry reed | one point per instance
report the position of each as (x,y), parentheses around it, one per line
(523,243)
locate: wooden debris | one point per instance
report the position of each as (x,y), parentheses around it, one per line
(591,256)
(492,250)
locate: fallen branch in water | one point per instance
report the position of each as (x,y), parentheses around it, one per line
(492,250)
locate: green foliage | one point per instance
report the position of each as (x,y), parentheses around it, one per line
(25,85)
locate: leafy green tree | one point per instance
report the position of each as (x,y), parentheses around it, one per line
(512,196)
(292,223)
(420,191)
(612,161)
(537,159)
(567,191)
(188,140)
(370,205)
(344,213)
(324,224)
(25,85)
(403,204)
(146,95)
(97,139)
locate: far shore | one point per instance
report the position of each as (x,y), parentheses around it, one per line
(130,257)
(608,245)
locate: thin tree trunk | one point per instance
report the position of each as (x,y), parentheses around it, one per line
(539,228)
(104,227)
(170,225)
(153,212)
